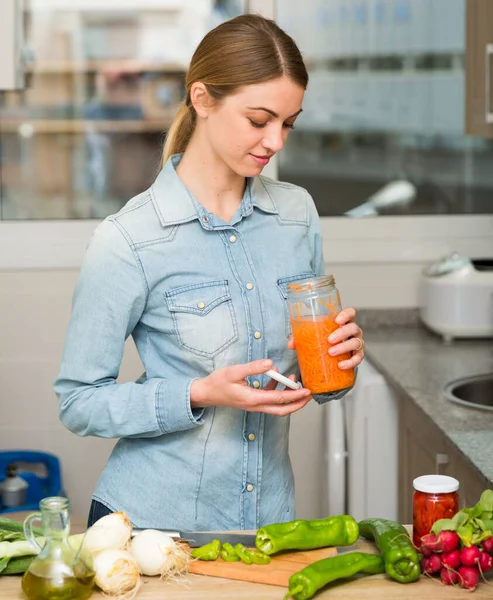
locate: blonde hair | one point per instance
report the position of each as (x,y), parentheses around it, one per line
(246,50)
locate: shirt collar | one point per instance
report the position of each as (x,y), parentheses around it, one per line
(174,204)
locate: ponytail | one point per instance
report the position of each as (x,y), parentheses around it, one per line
(180,131)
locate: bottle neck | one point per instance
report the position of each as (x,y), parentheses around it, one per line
(55,518)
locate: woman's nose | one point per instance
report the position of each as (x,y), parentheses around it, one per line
(274,141)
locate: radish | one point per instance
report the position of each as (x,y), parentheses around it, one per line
(429,544)
(431,565)
(488,545)
(469,556)
(469,577)
(485,562)
(448,541)
(451,559)
(448,576)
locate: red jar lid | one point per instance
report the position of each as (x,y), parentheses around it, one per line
(436,484)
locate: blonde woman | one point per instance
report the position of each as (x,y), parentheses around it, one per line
(194,268)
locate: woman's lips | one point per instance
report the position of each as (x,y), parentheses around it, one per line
(260,160)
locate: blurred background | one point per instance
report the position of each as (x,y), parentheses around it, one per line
(383,129)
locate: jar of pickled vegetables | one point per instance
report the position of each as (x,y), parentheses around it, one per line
(313,306)
(435,497)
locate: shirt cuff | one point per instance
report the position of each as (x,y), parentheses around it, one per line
(173,409)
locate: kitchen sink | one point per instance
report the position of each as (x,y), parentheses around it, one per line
(474,392)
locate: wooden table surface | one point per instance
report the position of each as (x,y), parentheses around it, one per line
(197,587)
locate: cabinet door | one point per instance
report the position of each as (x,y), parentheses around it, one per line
(479,68)
(422,451)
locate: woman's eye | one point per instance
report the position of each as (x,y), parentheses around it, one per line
(258,125)
(289,125)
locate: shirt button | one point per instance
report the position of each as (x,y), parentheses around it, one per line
(249,487)
(256,384)
(257,335)
(232,238)
(205,219)
(251,436)
(249,286)
(200,304)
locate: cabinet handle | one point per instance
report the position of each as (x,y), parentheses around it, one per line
(441,460)
(488,83)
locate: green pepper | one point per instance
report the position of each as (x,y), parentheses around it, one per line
(244,554)
(305,583)
(208,552)
(228,553)
(307,535)
(400,556)
(259,558)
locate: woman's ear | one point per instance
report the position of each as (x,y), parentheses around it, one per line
(200,99)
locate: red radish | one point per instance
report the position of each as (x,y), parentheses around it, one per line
(469,577)
(469,556)
(488,545)
(485,562)
(448,576)
(451,559)
(448,541)
(431,565)
(429,544)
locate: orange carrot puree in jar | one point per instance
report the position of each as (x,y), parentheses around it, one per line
(320,372)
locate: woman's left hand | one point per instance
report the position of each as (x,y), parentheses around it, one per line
(348,338)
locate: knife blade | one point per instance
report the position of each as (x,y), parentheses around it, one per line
(196,539)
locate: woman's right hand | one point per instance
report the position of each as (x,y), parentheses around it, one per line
(227,387)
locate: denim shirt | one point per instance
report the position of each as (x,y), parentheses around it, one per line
(196,294)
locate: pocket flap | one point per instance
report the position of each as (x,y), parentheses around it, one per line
(198,298)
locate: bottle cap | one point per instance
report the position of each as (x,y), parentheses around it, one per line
(436,484)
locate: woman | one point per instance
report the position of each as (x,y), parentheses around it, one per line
(195,269)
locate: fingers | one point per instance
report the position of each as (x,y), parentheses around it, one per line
(344,332)
(346,315)
(291,344)
(266,397)
(282,410)
(236,373)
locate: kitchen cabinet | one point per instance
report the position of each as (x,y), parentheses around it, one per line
(479,68)
(424,449)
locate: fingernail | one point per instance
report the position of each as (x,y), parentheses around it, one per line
(342,365)
(332,338)
(332,351)
(267,364)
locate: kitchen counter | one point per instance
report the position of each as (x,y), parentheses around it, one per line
(419,364)
(197,587)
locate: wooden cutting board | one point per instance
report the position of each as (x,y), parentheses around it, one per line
(277,572)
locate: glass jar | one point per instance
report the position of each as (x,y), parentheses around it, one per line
(435,497)
(58,571)
(313,306)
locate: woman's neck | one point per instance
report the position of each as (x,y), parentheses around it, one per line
(210,180)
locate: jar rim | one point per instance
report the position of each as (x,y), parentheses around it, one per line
(436,484)
(310,284)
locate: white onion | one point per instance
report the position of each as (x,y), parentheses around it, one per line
(157,553)
(117,573)
(111,531)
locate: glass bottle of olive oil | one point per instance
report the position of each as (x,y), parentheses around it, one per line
(57,572)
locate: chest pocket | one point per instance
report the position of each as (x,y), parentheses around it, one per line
(203,316)
(282,286)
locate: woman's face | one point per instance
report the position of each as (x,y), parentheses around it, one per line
(246,129)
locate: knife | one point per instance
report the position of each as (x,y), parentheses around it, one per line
(196,539)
